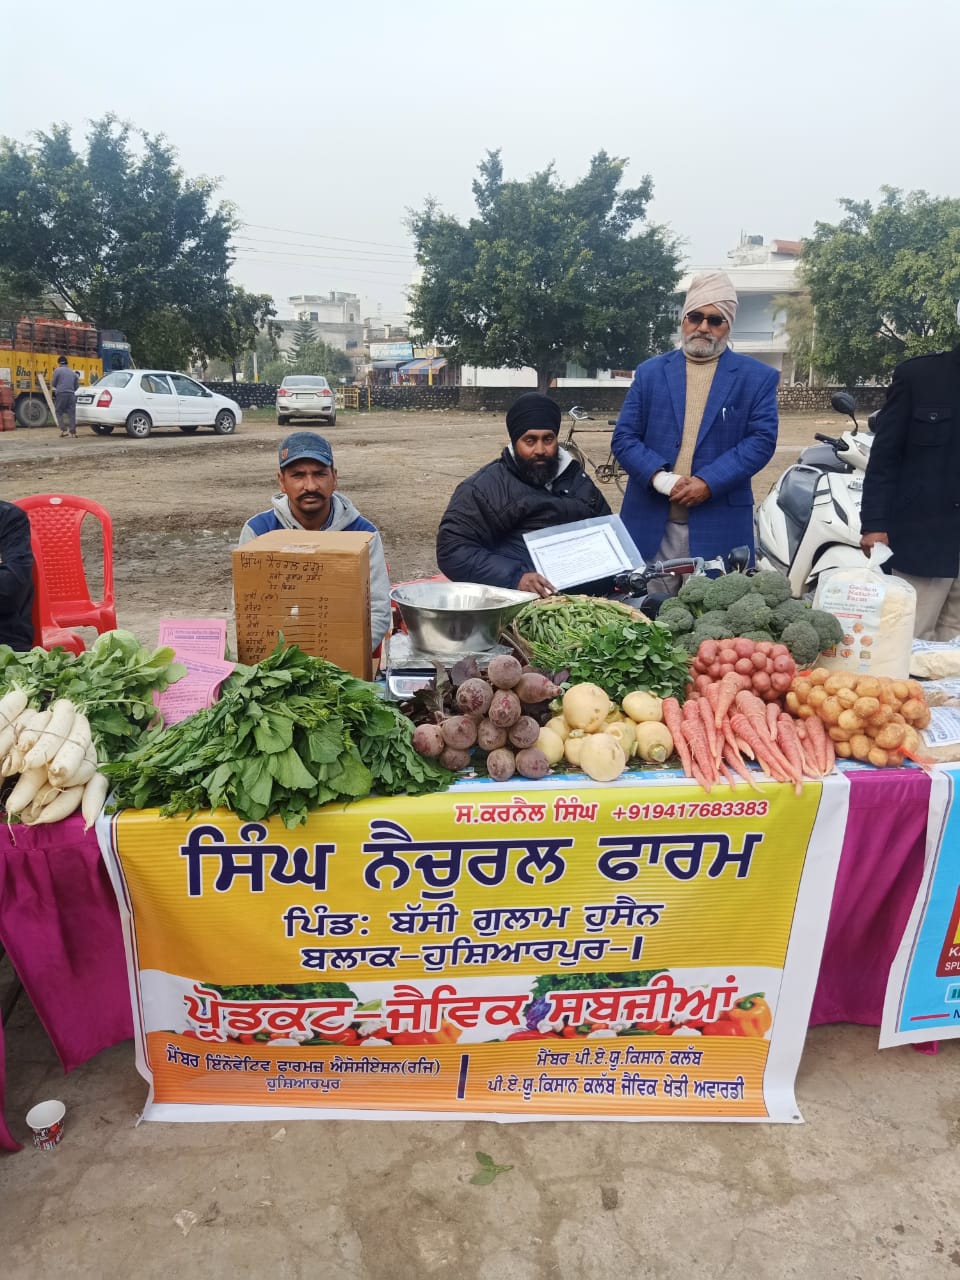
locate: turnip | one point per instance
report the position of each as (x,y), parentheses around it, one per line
(585,706)
(551,744)
(642,706)
(474,695)
(559,727)
(428,741)
(504,671)
(602,757)
(654,742)
(504,709)
(490,736)
(459,732)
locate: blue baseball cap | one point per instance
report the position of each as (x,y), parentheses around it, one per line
(305,444)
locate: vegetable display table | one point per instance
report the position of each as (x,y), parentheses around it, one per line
(60,926)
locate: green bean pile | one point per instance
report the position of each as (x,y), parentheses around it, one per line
(551,631)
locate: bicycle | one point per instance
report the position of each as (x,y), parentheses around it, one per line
(606,471)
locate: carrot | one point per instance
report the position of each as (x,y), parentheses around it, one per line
(729,738)
(829,753)
(731,781)
(766,753)
(726,692)
(790,744)
(702,766)
(709,728)
(817,736)
(673,719)
(732,757)
(755,713)
(772,710)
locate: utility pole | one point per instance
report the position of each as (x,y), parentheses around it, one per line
(256,369)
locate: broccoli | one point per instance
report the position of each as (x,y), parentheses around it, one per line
(773,586)
(721,592)
(803,641)
(689,642)
(704,630)
(827,628)
(757,636)
(789,611)
(693,591)
(671,603)
(713,618)
(677,619)
(750,613)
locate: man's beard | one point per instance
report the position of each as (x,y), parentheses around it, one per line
(538,474)
(702,347)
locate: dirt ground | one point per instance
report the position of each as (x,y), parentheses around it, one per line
(866,1189)
(177,503)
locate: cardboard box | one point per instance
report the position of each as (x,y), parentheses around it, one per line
(313,588)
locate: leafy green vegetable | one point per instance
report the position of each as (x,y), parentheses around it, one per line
(629,656)
(552,631)
(286,736)
(489,1169)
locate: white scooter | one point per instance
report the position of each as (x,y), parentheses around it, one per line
(809,522)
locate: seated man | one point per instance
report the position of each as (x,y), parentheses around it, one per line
(534,484)
(308,500)
(16,578)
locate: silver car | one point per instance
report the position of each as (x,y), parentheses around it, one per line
(302,395)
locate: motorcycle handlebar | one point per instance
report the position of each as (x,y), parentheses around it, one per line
(833,441)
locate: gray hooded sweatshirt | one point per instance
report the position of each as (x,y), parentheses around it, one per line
(344,518)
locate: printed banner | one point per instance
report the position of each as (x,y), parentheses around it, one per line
(621,952)
(923,991)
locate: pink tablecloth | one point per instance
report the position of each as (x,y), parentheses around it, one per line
(60,927)
(59,921)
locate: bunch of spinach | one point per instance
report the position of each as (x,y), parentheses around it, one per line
(631,655)
(286,736)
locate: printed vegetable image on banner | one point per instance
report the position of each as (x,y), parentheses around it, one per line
(923,991)
(615,951)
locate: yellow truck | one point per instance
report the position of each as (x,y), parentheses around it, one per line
(32,349)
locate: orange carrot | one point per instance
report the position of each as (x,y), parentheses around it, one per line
(766,752)
(755,712)
(773,715)
(817,737)
(702,758)
(790,745)
(829,753)
(729,737)
(709,728)
(731,781)
(673,719)
(732,757)
(727,690)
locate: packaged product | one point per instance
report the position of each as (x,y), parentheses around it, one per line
(877,613)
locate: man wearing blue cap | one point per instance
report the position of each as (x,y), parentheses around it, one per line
(308,499)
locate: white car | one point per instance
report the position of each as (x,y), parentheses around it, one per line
(141,399)
(304,395)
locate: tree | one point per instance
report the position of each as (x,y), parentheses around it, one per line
(800,329)
(304,337)
(546,274)
(118,235)
(884,283)
(241,320)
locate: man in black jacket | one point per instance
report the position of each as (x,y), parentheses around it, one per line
(911,492)
(534,484)
(16,578)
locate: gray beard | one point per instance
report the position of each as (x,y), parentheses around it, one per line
(699,348)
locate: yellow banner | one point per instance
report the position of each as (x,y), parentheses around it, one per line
(614,951)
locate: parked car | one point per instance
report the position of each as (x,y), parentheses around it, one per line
(141,399)
(302,395)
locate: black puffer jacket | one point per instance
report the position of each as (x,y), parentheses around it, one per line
(481,534)
(16,578)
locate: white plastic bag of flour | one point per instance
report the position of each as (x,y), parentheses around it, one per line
(877,613)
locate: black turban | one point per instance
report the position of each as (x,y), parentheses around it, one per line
(532,412)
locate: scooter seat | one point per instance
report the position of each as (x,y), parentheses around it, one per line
(797,490)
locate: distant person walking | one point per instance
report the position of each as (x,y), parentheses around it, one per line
(65,382)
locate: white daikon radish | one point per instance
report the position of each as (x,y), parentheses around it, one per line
(27,787)
(84,773)
(11,704)
(11,763)
(60,807)
(94,795)
(71,755)
(62,715)
(8,737)
(29,727)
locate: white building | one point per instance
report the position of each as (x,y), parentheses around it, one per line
(335,317)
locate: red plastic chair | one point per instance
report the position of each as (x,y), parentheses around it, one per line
(46,633)
(55,520)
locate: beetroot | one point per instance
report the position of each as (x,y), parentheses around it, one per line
(504,709)
(459,732)
(504,672)
(490,736)
(501,765)
(474,695)
(532,763)
(453,759)
(524,733)
(534,687)
(428,740)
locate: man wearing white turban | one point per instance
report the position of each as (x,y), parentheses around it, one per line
(911,492)
(697,424)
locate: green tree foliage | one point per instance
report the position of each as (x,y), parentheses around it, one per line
(117,234)
(314,358)
(304,337)
(241,320)
(546,274)
(798,309)
(884,282)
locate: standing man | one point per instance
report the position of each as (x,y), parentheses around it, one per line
(534,484)
(697,424)
(16,578)
(65,382)
(911,492)
(308,499)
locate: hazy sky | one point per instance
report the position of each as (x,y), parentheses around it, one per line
(326,122)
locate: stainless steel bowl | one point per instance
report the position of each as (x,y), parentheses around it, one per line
(456,617)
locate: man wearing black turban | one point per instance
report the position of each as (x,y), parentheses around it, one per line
(534,484)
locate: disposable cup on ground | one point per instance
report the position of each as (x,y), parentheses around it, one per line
(46,1121)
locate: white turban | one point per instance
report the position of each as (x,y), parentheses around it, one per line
(712,288)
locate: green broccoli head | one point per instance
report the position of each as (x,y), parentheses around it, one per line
(750,613)
(803,641)
(712,630)
(677,620)
(722,592)
(789,611)
(693,591)
(827,628)
(689,642)
(773,586)
(757,636)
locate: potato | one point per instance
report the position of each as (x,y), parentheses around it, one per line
(501,765)
(817,696)
(504,709)
(452,758)
(474,695)
(860,746)
(602,757)
(792,702)
(849,720)
(428,740)
(504,672)
(843,750)
(838,734)
(802,687)
(459,732)
(830,710)
(585,706)
(490,736)
(913,710)
(551,744)
(865,707)
(846,697)
(878,757)
(818,675)
(890,736)
(524,733)
(532,763)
